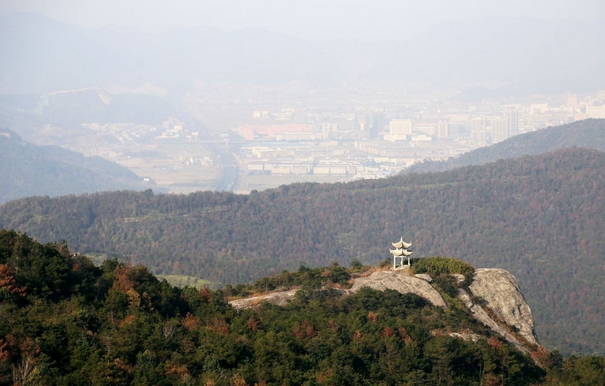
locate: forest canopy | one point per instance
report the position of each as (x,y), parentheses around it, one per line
(532,216)
(78,324)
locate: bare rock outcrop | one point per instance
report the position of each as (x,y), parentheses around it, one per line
(395,280)
(482,316)
(459,278)
(424,276)
(402,282)
(500,291)
(280,298)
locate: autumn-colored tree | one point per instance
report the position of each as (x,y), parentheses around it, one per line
(191,321)
(122,281)
(372,317)
(7,281)
(387,332)
(495,343)
(253,323)
(305,330)
(407,339)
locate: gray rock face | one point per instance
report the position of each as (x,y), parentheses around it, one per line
(280,298)
(399,281)
(424,276)
(482,316)
(500,290)
(459,278)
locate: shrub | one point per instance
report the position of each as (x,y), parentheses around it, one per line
(442,265)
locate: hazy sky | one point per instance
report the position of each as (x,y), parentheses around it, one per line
(315,19)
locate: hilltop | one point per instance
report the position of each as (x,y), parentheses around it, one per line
(71,322)
(492,296)
(30,170)
(587,133)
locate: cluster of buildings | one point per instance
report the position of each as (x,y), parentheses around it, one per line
(373,142)
(353,135)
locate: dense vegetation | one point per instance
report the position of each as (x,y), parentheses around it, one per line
(29,170)
(587,133)
(539,217)
(307,278)
(66,321)
(441,265)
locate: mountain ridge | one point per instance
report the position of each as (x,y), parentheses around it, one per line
(30,170)
(587,133)
(517,214)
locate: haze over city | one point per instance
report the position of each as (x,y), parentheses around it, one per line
(247,95)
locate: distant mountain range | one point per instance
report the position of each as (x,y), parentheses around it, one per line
(71,108)
(29,170)
(41,55)
(589,133)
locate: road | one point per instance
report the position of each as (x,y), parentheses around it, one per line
(227,161)
(228,180)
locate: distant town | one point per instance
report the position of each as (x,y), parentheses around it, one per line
(272,135)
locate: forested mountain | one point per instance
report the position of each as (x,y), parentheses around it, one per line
(539,217)
(69,322)
(589,133)
(29,170)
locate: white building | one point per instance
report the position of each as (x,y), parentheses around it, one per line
(595,111)
(400,127)
(499,129)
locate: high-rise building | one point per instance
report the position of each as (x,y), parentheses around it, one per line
(362,123)
(400,127)
(443,129)
(377,125)
(478,130)
(327,129)
(572,101)
(512,117)
(499,129)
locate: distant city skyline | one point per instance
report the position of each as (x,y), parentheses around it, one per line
(312,19)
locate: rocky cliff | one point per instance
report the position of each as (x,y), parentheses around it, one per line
(494,300)
(500,292)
